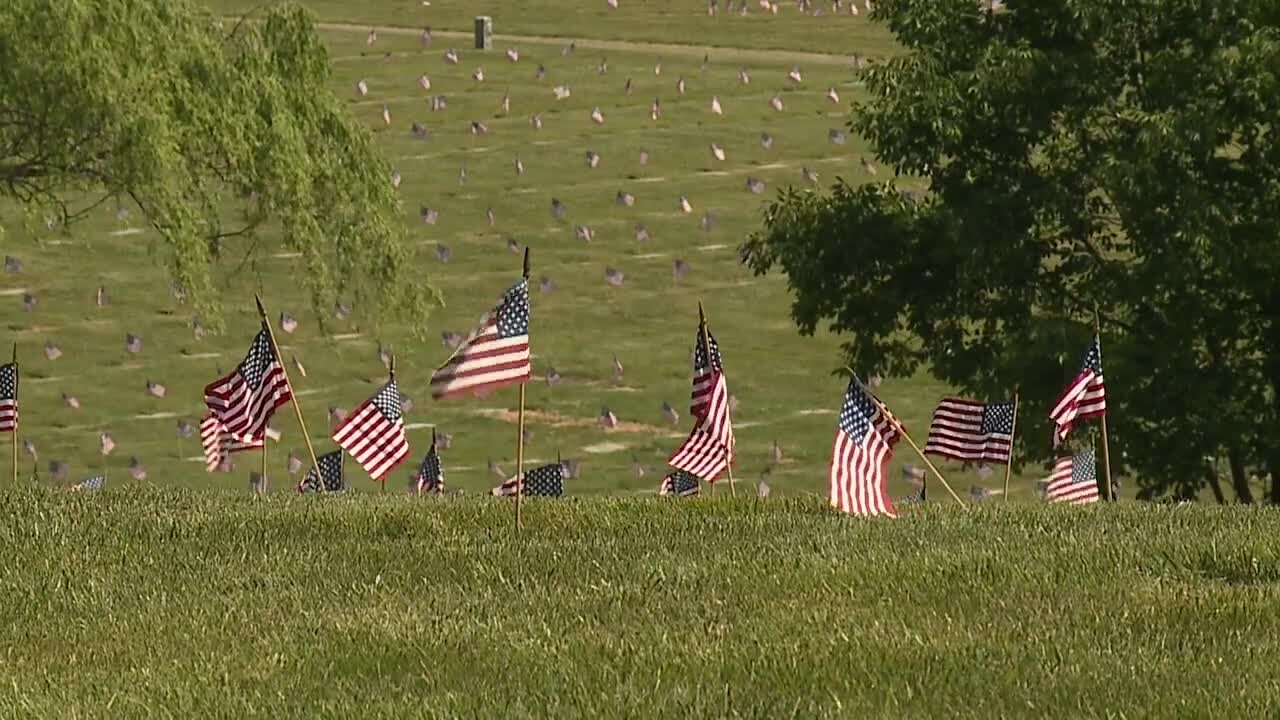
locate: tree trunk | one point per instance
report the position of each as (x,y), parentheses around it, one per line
(1239,478)
(1211,475)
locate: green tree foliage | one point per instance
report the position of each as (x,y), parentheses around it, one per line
(1075,154)
(217,131)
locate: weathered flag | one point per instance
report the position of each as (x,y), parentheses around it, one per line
(245,400)
(679,484)
(1084,398)
(495,355)
(374,433)
(864,442)
(8,397)
(1074,479)
(545,481)
(330,474)
(971,431)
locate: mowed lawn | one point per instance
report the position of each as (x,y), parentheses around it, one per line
(150,603)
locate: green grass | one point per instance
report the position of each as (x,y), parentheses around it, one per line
(130,603)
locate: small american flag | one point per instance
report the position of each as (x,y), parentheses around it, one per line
(971,431)
(545,481)
(245,400)
(218,443)
(330,474)
(8,397)
(1074,479)
(94,483)
(708,451)
(430,478)
(704,374)
(679,484)
(495,355)
(864,443)
(1084,398)
(374,433)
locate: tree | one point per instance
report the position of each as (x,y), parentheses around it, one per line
(217,132)
(1074,155)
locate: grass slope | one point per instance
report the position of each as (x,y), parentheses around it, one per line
(126,603)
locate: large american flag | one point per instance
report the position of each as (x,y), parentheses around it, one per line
(218,444)
(679,484)
(330,478)
(708,451)
(8,397)
(1084,398)
(1074,479)
(245,400)
(864,443)
(374,433)
(430,477)
(971,431)
(545,481)
(495,355)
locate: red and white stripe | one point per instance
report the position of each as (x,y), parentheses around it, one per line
(1061,488)
(218,444)
(708,451)
(857,480)
(8,415)
(485,362)
(956,432)
(242,410)
(375,442)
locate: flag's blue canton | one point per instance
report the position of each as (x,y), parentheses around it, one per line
(8,382)
(700,353)
(388,401)
(257,361)
(683,482)
(546,481)
(1092,358)
(429,475)
(513,315)
(330,470)
(856,414)
(93,483)
(997,418)
(1084,468)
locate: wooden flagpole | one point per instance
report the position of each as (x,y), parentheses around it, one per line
(1106,449)
(706,343)
(1013,436)
(266,324)
(263,478)
(520,424)
(897,425)
(16,410)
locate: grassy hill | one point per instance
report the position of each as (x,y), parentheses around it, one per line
(212,605)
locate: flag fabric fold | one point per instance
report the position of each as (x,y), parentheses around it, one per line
(1084,398)
(245,400)
(864,442)
(495,355)
(971,431)
(218,443)
(1074,479)
(544,481)
(679,484)
(330,478)
(430,477)
(374,433)
(708,451)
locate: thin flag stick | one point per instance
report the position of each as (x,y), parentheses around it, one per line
(263,479)
(903,431)
(16,410)
(1106,450)
(262,313)
(706,343)
(520,424)
(1013,436)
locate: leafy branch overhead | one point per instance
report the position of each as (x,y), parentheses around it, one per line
(217,131)
(1067,155)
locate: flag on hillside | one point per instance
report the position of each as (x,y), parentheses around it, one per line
(218,443)
(708,451)
(430,478)
(706,374)
(9,397)
(971,431)
(545,481)
(330,474)
(1084,398)
(495,355)
(679,484)
(94,483)
(374,433)
(1074,479)
(864,442)
(245,400)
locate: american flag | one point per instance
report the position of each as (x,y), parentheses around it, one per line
(864,443)
(330,474)
(374,433)
(708,451)
(1074,479)
(218,443)
(495,355)
(245,400)
(971,431)
(8,397)
(430,478)
(1084,398)
(545,481)
(94,483)
(679,484)
(705,375)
